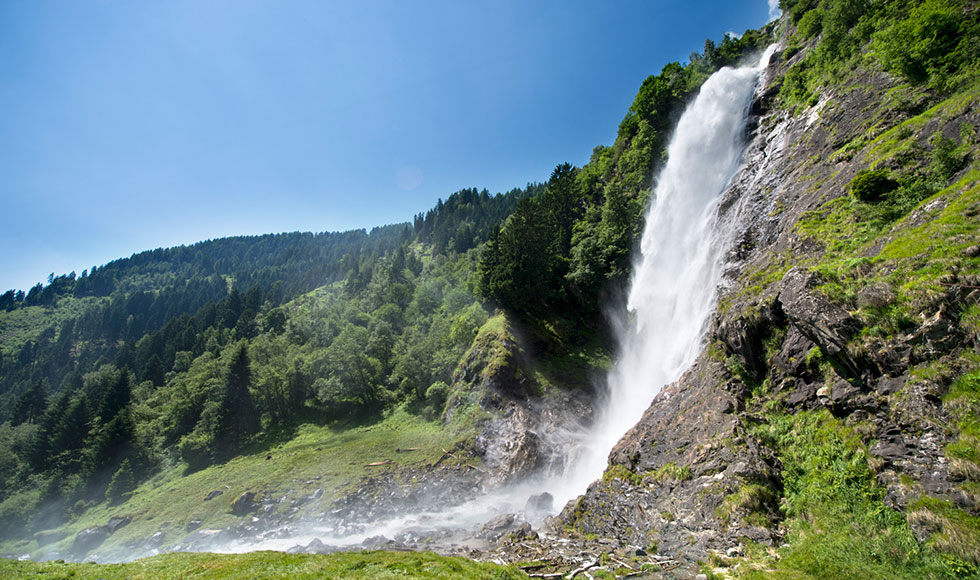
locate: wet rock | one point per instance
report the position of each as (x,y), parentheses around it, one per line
(156,540)
(117,522)
(89,539)
(522,532)
(496,528)
(376,541)
(539,505)
(243,504)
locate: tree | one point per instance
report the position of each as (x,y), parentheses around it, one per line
(30,406)
(238,417)
(351,374)
(123,482)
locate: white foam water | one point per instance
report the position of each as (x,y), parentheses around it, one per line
(676,278)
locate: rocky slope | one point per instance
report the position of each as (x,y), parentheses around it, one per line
(828,314)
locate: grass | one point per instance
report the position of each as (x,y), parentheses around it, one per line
(268,565)
(838,525)
(315,458)
(26,323)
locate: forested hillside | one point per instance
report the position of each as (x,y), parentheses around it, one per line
(194,354)
(191,353)
(827,428)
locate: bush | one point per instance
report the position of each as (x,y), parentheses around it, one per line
(872,185)
(435,397)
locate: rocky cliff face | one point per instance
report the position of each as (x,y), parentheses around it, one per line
(827,313)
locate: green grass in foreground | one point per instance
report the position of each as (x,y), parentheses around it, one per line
(350,565)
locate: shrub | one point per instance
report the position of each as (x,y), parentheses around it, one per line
(872,185)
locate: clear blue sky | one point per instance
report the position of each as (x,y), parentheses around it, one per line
(127,126)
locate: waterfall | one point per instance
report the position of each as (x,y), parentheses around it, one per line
(673,293)
(675,280)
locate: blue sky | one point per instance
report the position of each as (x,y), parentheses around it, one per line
(127,126)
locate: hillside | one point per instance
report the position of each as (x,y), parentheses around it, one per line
(325,383)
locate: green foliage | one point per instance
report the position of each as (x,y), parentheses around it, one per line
(271,565)
(622,473)
(123,482)
(934,44)
(560,251)
(670,471)
(838,524)
(928,42)
(872,185)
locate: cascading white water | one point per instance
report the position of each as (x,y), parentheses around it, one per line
(672,297)
(676,278)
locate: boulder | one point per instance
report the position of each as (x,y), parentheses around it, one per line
(539,505)
(244,504)
(494,529)
(117,522)
(89,539)
(213,495)
(156,540)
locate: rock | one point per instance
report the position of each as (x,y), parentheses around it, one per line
(792,358)
(972,252)
(744,337)
(243,504)
(192,525)
(156,540)
(376,541)
(522,532)
(823,322)
(939,333)
(843,391)
(213,495)
(875,296)
(891,385)
(316,547)
(117,522)
(495,528)
(89,539)
(539,505)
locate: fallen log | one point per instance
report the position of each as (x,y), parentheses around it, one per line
(583,568)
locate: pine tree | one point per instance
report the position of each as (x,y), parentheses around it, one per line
(239,418)
(30,405)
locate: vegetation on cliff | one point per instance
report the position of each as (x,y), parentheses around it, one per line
(253,360)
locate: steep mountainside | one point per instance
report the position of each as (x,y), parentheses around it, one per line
(833,410)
